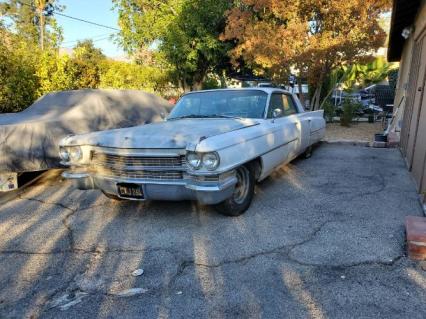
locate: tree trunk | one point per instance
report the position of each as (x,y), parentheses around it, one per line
(42,30)
(223,79)
(197,86)
(315,103)
(315,98)
(301,96)
(41,6)
(184,86)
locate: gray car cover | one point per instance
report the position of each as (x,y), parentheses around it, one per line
(29,139)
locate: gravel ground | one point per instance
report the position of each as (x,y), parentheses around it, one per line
(324,238)
(358,131)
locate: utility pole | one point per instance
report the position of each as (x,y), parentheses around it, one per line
(41,5)
(42,30)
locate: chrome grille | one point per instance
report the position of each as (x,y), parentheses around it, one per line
(153,168)
(155,175)
(138,161)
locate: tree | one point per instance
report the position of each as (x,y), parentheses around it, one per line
(183,33)
(87,61)
(18,82)
(55,72)
(33,20)
(368,73)
(125,75)
(314,36)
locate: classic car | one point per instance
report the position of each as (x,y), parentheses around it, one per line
(213,147)
(29,139)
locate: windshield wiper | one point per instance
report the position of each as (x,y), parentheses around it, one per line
(189,116)
(201,116)
(225,116)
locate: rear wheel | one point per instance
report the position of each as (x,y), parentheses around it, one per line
(308,152)
(240,200)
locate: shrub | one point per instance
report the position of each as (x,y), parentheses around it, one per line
(18,83)
(349,109)
(393,78)
(329,111)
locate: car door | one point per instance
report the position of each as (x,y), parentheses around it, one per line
(283,142)
(303,123)
(300,124)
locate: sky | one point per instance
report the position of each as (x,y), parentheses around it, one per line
(99,11)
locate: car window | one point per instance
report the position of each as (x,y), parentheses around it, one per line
(232,103)
(276,102)
(283,102)
(289,107)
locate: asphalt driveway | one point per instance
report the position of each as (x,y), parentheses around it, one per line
(324,238)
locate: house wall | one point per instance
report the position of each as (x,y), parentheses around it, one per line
(401,89)
(411,89)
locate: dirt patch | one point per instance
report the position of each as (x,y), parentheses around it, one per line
(356,132)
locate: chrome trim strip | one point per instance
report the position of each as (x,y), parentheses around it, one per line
(140,168)
(230,182)
(314,131)
(143,152)
(253,138)
(198,186)
(75,175)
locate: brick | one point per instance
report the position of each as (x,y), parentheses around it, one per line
(416,237)
(379,144)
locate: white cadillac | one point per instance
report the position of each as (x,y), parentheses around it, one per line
(213,147)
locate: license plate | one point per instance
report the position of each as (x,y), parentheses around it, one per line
(8,182)
(130,190)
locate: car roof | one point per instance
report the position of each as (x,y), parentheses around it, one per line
(267,90)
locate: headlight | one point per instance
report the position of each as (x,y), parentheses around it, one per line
(193,160)
(64,154)
(211,161)
(75,153)
(71,153)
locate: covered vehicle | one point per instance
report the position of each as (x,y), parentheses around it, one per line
(29,139)
(213,147)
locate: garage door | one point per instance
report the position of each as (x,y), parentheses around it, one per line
(414,75)
(416,148)
(415,96)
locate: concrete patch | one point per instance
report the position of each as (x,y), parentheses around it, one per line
(323,238)
(351,242)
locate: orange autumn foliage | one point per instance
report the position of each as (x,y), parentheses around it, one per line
(314,36)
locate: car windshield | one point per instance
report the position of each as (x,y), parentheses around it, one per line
(221,104)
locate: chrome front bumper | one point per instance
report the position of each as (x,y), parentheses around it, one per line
(208,193)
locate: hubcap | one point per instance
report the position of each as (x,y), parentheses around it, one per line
(242,186)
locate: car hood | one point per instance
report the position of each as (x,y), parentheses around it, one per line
(169,134)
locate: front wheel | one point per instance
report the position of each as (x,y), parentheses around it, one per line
(240,200)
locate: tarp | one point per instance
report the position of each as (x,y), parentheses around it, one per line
(29,139)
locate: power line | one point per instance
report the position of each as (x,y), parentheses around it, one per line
(94,38)
(97,40)
(86,21)
(74,18)
(70,45)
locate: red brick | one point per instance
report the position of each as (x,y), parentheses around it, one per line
(416,237)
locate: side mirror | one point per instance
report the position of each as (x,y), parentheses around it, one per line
(277,113)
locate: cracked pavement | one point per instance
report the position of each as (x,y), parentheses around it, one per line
(324,238)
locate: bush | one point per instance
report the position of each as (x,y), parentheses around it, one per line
(329,111)
(211,82)
(126,75)
(55,72)
(349,109)
(27,72)
(18,83)
(393,78)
